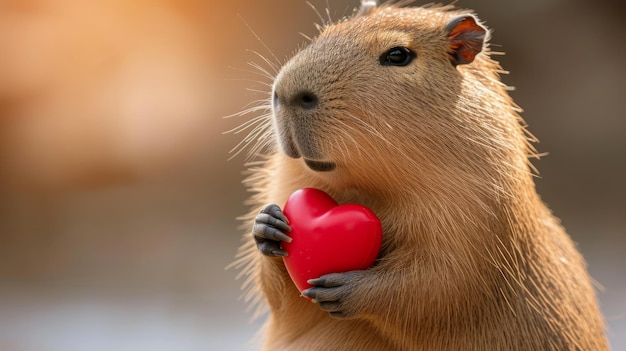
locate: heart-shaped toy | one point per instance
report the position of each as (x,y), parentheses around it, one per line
(328,237)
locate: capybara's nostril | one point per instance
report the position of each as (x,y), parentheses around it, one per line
(305,99)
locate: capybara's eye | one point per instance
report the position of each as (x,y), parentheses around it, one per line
(398,56)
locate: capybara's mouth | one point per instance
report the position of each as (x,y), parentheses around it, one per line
(320,166)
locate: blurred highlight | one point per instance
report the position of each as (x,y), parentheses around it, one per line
(100,92)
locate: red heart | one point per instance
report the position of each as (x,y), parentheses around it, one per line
(328,237)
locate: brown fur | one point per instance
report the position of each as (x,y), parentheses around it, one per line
(471,258)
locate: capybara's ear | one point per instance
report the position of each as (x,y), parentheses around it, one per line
(366,7)
(466,38)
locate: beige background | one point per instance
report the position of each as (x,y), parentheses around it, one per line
(117,202)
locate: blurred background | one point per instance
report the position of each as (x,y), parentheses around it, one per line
(118,204)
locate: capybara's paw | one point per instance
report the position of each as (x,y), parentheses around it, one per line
(332,292)
(269,229)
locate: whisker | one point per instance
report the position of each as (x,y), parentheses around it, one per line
(246,109)
(276,60)
(258,90)
(330,19)
(306,36)
(274,68)
(267,81)
(245,125)
(260,135)
(319,15)
(249,80)
(264,142)
(260,71)
(240,146)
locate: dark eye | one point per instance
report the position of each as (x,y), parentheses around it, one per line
(399,56)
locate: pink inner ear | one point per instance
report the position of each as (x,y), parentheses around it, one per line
(466,39)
